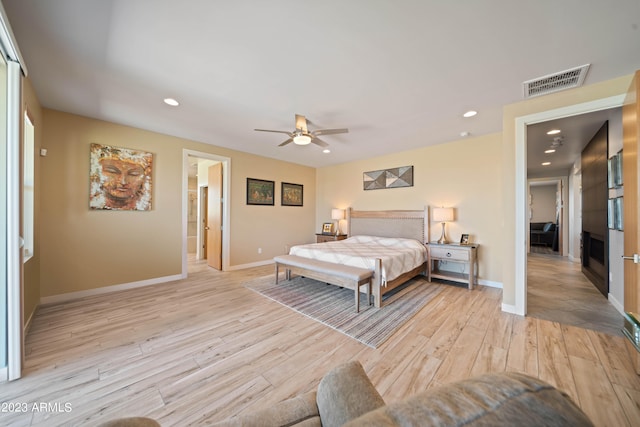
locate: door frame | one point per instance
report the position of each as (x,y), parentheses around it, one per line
(226,207)
(521,185)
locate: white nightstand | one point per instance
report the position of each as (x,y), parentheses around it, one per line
(457,253)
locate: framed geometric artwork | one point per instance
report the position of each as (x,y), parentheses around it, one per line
(388,178)
(120,178)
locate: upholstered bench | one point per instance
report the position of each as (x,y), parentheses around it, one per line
(336,274)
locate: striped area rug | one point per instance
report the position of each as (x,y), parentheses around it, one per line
(335,307)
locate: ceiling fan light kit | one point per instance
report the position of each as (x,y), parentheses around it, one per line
(302,139)
(302,135)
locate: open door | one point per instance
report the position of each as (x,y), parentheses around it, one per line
(631,141)
(214,217)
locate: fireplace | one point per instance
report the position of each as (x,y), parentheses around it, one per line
(594,260)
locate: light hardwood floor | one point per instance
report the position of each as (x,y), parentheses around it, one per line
(206,348)
(558,291)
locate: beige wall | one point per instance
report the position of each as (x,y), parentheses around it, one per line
(464,174)
(83,249)
(31,287)
(510,114)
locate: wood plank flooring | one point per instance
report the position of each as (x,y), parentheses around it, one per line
(202,349)
(558,291)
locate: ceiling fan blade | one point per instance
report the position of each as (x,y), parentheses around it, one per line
(286,142)
(330,131)
(319,142)
(301,123)
(277,131)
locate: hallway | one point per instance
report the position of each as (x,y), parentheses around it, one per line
(558,291)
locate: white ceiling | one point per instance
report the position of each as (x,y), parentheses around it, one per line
(399,74)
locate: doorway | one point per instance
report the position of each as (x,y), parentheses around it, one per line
(195,164)
(521,184)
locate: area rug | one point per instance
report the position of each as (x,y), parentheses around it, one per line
(335,307)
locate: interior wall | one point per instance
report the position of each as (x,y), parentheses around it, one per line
(83,249)
(461,174)
(31,286)
(511,112)
(616,237)
(543,203)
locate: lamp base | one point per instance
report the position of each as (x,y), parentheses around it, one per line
(443,238)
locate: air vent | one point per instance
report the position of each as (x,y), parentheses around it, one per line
(567,79)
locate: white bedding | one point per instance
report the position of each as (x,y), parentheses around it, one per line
(398,255)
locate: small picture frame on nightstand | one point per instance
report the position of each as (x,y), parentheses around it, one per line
(327,228)
(464,239)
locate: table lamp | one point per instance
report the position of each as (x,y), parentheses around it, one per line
(443,215)
(337,215)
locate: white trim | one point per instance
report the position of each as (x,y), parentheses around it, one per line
(14,264)
(252,264)
(490,283)
(27,324)
(508,308)
(69,296)
(8,41)
(3,374)
(226,206)
(521,124)
(618,306)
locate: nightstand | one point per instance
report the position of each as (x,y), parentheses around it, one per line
(456,253)
(321,238)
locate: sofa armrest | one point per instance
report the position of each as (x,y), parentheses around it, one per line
(345,393)
(300,410)
(506,399)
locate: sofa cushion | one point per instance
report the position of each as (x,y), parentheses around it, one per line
(345,393)
(507,399)
(300,411)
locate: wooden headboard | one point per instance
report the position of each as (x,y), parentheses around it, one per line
(393,223)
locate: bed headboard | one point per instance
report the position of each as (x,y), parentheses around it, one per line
(396,223)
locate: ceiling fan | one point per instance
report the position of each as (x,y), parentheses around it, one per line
(302,135)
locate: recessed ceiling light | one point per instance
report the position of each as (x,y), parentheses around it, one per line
(550,151)
(546,163)
(553,132)
(171,101)
(326,151)
(465,134)
(470,113)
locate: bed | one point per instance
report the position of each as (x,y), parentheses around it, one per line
(389,243)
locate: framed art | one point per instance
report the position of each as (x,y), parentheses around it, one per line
(291,194)
(388,178)
(327,228)
(260,192)
(120,178)
(464,239)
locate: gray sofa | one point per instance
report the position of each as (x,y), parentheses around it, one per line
(346,396)
(542,233)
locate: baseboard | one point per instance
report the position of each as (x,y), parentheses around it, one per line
(253,264)
(27,324)
(509,308)
(616,303)
(490,284)
(573,259)
(54,299)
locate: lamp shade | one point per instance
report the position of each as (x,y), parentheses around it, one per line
(337,214)
(442,214)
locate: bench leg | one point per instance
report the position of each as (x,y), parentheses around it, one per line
(277,273)
(357,292)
